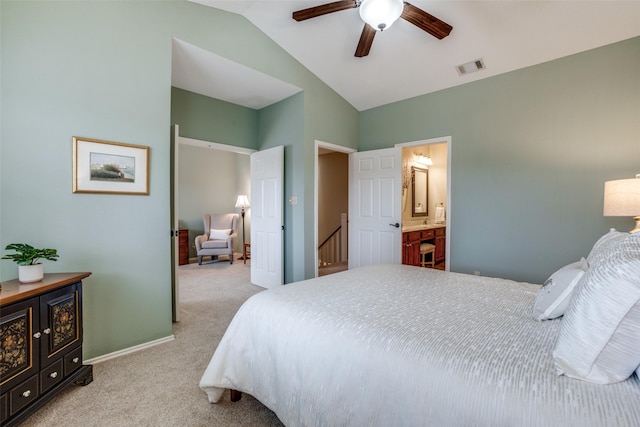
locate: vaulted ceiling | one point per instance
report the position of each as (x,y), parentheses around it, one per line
(405,61)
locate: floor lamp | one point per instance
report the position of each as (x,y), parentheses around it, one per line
(242,202)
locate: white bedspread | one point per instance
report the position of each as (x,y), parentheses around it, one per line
(392,345)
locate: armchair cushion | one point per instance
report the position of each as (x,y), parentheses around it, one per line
(215,244)
(219,234)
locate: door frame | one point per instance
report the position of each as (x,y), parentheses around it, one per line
(174,205)
(440,140)
(174,210)
(333,147)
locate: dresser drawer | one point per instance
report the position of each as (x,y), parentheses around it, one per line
(23,394)
(441,231)
(183,247)
(4,407)
(72,361)
(51,375)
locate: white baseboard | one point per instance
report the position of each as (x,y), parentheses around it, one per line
(129,350)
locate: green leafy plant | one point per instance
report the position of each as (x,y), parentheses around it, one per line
(28,255)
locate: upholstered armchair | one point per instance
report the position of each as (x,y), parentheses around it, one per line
(219,238)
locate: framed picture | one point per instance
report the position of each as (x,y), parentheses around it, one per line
(109,167)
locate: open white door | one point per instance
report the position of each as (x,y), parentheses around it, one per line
(375,236)
(175,288)
(267,222)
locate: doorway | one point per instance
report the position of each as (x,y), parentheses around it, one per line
(206,177)
(332,207)
(432,158)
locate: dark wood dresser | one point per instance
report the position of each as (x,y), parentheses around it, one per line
(183,246)
(40,343)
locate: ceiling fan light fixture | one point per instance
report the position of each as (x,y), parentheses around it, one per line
(381,14)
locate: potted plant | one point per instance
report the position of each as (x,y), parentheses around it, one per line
(26,256)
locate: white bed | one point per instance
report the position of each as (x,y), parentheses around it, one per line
(393,345)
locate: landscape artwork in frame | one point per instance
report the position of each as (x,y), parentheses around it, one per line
(109,167)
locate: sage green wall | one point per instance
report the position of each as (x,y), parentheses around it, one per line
(91,69)
(531,151)
(103,70)
(209,119)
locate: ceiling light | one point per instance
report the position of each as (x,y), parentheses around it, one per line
(422,160)
(381,14)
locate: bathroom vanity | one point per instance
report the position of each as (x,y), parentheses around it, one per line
(413,235)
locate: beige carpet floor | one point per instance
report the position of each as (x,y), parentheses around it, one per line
(159,386)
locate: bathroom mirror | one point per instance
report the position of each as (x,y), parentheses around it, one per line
(419,190)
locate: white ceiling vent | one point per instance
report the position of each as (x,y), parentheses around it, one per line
(470,67)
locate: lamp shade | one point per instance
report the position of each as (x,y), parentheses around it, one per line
(381,14)
(242,201)
(622,197)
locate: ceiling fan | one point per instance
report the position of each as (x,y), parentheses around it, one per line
(378,15)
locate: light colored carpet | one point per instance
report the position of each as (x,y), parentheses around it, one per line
(159,386)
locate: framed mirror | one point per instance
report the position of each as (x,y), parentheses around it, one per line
(419,191)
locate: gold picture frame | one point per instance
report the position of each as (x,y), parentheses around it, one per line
(110,167)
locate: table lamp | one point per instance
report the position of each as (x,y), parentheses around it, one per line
(622,198)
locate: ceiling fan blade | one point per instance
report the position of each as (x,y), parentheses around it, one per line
(429,23)
(312,12)
(366,40)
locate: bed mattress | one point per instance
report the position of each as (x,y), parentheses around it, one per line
(397,345)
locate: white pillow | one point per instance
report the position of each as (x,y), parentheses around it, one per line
(603,245)
(219,234)
(600,333)
(553,299)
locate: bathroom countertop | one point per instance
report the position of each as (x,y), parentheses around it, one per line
(421,227)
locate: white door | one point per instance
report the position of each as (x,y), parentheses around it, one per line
(267,223)
(175,286)
(375,236)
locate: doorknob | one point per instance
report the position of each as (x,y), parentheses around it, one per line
(396,225)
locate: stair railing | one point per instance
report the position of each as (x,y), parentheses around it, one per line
(334,248)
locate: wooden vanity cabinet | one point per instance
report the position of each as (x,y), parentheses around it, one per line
(409,250)
(441,244)
(40,343)
(411,245)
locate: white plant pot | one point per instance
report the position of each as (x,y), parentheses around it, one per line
(30,273)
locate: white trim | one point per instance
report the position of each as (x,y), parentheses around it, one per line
(332,147)
(215,145)
(441,140)
(129,350)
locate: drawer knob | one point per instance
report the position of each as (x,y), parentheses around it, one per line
(26,393)
(47,331)
(75,360)
(53,374)
(37,335)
